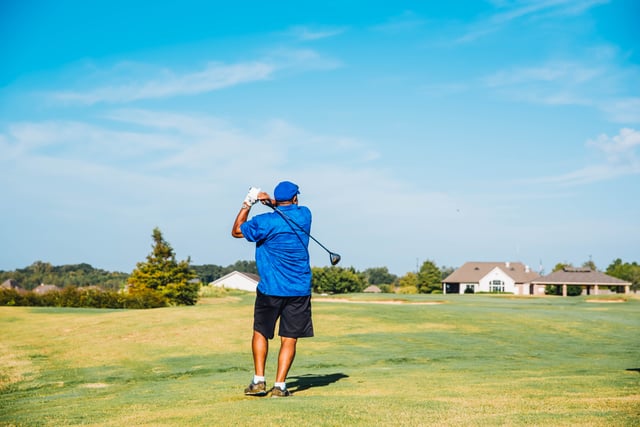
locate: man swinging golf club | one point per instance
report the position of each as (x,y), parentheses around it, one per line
(284,290)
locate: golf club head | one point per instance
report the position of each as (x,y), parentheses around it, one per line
(334,258)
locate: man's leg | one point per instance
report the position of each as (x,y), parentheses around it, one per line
(260,349)
(285,357)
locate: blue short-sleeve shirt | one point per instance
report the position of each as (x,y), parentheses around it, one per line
(282,254)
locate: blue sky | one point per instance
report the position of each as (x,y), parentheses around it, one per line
(446,131)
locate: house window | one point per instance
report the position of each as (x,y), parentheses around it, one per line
(496,286)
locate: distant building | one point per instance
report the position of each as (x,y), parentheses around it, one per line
(372,289)
(238,280)
(11,284)
(511,277)
(589,280)
(45,289)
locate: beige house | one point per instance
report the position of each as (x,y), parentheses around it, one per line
(11,284)
(45,289)
(372,289)
(238,280)
(590,281)
(511,277)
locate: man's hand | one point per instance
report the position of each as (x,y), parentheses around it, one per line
(265,199)
(252,196)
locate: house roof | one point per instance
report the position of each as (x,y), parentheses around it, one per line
(10,284)
(250,276)
(43,289)
(579,276)
(472,272)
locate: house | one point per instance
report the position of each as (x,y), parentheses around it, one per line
(238,280)
(372,289)
(45,289)
(511,277)
(11,284)
(589,280)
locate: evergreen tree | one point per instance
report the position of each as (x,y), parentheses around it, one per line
(163,274)
(429,278)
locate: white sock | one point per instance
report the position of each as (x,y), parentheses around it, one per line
(281,386)
(257,379)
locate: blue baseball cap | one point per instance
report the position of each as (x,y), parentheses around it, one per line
(285,191)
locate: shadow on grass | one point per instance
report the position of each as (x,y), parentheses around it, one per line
(305,382)
(633,370)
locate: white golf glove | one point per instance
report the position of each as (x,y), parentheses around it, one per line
(252,196)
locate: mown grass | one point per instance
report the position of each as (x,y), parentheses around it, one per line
(471,360)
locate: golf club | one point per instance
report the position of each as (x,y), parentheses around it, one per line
(334,258)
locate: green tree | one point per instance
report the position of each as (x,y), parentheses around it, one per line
(429,278)
(590,265)
(79,275)
(559,266)
(379,276)
(207,273)
(243,267)
(163,274)
(629,272)
(407,284)
(446,271)
(336,280)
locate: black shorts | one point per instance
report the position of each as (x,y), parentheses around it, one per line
(294,314)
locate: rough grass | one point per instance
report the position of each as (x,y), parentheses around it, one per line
(470,360)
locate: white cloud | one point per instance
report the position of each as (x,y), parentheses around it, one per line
(620,148)
(406,21)
(189,172)
(601,85)
(167,83)
(307,33)
(623,110)
(558,71)
(301,59)
(553,83)
(618,156)
(510,12)
(127,82)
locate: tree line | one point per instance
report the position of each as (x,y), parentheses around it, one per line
(162,280)
(84,275)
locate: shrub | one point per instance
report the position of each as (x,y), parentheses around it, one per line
(408,290)
(209,291)
(144,298)
(387,289)
(72,296)
(10,297)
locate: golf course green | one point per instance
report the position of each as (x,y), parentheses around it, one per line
(396,360)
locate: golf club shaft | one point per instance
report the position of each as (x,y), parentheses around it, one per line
(287,218)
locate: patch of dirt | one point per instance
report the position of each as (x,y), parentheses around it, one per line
(606,300)
(95,385)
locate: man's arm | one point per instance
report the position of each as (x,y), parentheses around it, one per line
(243,215)
(241,218)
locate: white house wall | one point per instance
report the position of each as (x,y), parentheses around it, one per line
(238,282)
(464,286)
(496,274)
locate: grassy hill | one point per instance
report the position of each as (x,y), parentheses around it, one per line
(430,360)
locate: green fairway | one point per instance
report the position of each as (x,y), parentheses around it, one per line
(430,360)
